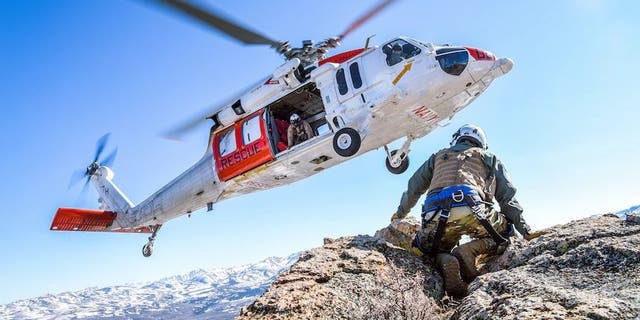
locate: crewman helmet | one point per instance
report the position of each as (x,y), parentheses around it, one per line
(472,133)
(294,119)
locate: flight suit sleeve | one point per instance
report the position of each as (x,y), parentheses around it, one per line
(290,136)
(308,130)
(417,186)
(505,195)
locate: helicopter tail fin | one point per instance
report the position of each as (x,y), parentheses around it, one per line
(113,204)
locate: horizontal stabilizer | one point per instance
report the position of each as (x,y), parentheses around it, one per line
(73,219)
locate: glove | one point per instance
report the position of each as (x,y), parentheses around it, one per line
(395,216)
(530,236)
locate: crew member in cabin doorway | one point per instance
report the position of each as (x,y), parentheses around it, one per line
(298,131)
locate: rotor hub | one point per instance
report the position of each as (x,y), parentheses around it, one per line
(93,168)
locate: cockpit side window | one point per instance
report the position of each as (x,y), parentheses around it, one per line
(398,50)
(452,60)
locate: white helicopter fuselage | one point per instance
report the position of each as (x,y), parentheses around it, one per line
(408,99)
(356,101)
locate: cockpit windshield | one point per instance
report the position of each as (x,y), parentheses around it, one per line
(452,60)
(399,50)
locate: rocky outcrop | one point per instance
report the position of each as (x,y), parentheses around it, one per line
(586,269)
(360,277)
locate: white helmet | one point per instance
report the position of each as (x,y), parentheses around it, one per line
(471,132)
(294,119)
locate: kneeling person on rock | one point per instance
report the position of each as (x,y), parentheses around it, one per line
(462,182)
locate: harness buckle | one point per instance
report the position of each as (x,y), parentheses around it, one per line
(477,210)
(457,196)
(444,214)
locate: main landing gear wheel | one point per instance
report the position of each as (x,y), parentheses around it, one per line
(346,142)
(147,249)
(400,165)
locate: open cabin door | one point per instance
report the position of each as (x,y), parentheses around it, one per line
(242,147)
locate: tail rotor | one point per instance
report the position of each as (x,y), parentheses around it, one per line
(98,161)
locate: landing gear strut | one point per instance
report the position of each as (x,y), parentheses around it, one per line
(147,249)
(398,160)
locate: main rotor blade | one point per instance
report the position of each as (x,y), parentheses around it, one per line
(100,144)
(364,18)
(178,132)
(217,21)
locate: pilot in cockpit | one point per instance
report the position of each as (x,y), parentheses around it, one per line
(396,55)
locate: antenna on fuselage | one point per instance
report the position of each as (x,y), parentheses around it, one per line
(366,44)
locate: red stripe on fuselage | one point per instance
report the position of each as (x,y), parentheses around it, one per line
(342,57)
(480,54)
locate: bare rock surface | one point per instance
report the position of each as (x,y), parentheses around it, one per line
(400,232)
(360,277)
(586,269)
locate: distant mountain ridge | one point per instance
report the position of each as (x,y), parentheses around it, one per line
(201,294)
(635,210)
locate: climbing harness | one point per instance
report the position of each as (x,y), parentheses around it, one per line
(452,197)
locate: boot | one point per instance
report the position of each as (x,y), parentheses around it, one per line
(450,269)
(467,254)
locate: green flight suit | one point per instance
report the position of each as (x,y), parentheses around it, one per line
(511,211)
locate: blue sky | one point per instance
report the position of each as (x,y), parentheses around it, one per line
(564,122)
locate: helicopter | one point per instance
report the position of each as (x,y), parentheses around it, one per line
(354,102)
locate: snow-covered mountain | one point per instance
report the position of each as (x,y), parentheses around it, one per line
(201,294)
(633,210)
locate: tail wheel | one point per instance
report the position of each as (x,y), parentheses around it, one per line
(147,250)
(346,142)
(400,166)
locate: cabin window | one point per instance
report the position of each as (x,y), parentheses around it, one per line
(342,82)
(324,128)
(399,50)
(355,75)
(251,130)
(227,142)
